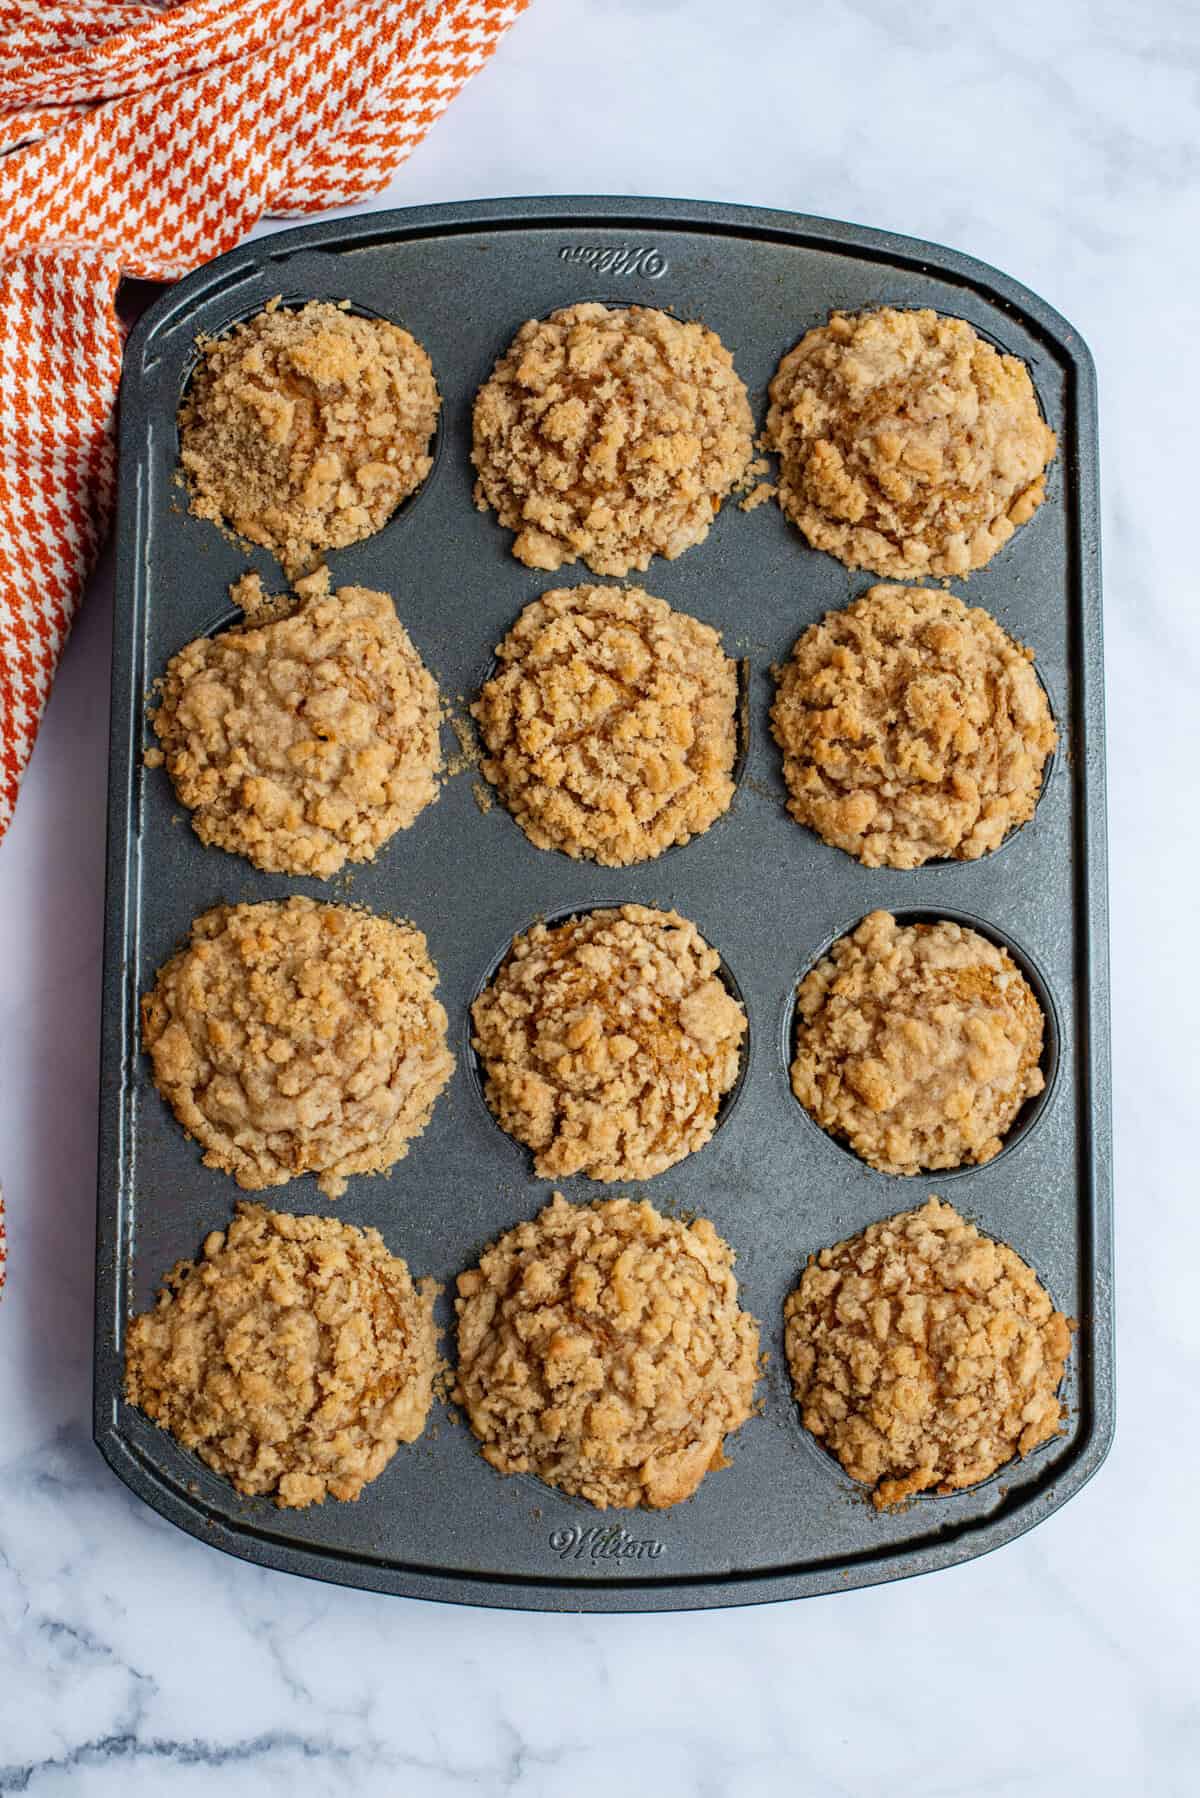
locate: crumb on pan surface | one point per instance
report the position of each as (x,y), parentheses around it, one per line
(293,1357)
(610,728)
(917,1044)
(608,1042)
(294,1037)
(925,1355)
(308,735)
(303,430)
(758,496)
(609,435)
(911,727)
(907,444)
(602,1347)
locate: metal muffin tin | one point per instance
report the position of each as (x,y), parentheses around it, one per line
(783,1520)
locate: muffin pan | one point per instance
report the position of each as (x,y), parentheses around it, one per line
(783,1520)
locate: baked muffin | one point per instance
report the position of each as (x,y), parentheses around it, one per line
(925,1355)
(602,1347)
(305,737)
(917,1044)
(907,444)
(609,435)
(303,430)
(610,728)
(911,727)
(294,1357)
(292,1038)
(608,1043)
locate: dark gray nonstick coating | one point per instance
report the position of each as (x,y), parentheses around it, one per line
(782,1520)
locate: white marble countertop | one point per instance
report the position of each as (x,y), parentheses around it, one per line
(1058,141)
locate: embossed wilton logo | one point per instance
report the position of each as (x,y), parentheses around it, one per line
(603,1544)
(619,261)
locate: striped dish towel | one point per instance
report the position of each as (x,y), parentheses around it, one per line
(142,140)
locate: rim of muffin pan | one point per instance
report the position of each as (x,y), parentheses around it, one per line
(1031,1112)
(743,726)
(470,1059)
(293,301)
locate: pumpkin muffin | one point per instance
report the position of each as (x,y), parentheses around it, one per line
(917,1044)
(911,727)
(303,430)
(609,435)
(925,1355)
(907,444)
(602,1347)
(294,1357)
(610,729)
(292,1038)
(608,1043)
(305,737)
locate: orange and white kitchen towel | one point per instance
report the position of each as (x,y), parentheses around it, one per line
(143,140)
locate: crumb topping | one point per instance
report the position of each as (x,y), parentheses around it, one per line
(292,1038)
(907,444)
(611,727)
(305,740)
(925,1355)
(609,435)
(608,1043)
(303,430)
(294,1357)
(602,1348)
(911,727)
(917,1044)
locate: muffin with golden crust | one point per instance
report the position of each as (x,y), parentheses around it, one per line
(609,435)
(292,1038)
(305,737)
(912,727)
(304,429)
(608,1042)
(610,727)
(925,1355)
(294,1357)
(907,444)
(602,1347)
(917,1044)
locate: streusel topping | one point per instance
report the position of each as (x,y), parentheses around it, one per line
(907,444)
(608,1043)
(303,430)
(925,1355)
(307,740)
(293,1357)
(610,435)
(610,729)
(602,1347)
(917,1044)
(293,1038)
(911,727)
